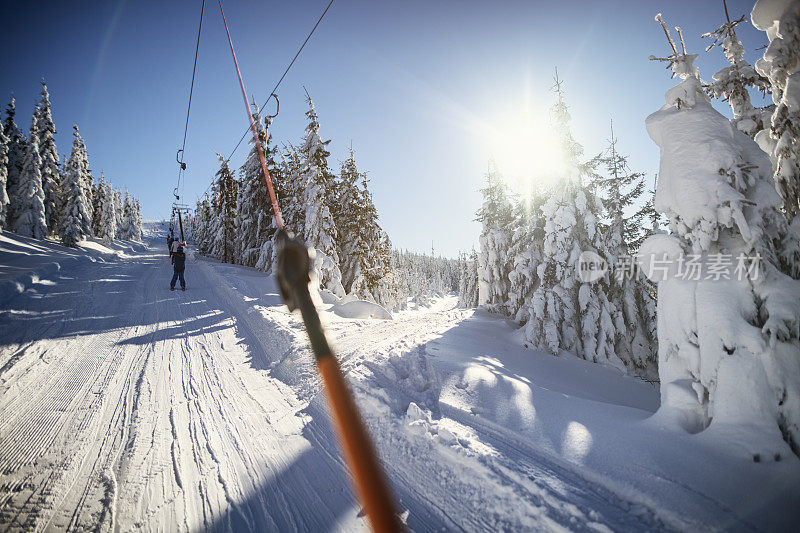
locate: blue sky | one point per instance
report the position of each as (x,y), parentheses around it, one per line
(417,86)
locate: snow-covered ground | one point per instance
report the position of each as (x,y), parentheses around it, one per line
(124,404)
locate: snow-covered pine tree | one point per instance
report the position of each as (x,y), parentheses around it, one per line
(118,208)
(99,200)
(494,265)
(88,185)
(567,313)
(202,229)
(316,179)
(729,354)
(3,178)
(733,82)
(364,247)
(468,281)
(224,202)
(107,226)
(29,212)
(289,189)
(17,150)
(254,219)
(525,250)
(137,221)
(351,220)
(125,229)
(75,224)
(781,64)
(131,228)
(51,169)
(319,228)
(198,225)
(629,291)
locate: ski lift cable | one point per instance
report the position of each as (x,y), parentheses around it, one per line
(181,164)
(276,210)
(285,72)
(272,92)
(293,275)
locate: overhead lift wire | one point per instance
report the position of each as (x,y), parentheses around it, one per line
(285,72)
(294,266)
(272,92)
(181,164)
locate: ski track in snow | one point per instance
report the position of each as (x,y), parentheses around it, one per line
(124,405)
(133,406)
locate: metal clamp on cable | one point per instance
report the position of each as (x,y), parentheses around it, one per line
(293,275)
(180,163)
(294,268)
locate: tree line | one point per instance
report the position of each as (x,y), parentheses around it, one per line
(332,212)
(531,242)
(40,197)
(726,349)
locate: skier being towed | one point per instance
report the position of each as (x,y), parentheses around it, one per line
(178,265)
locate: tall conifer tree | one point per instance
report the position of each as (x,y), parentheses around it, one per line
(51,171)
(17,150)
(29,212)
(76,223)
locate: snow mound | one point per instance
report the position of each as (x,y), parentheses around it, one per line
(328,297)
(361,309)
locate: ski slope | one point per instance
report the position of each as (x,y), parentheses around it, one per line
(124,405)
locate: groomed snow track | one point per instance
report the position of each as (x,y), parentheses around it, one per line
(126,406)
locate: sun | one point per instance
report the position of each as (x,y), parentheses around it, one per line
(527,152)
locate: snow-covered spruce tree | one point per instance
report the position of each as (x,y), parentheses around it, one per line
(525,250)
(351,222)
(99,200)
(75,224)
(137,221)
(494,264)
(319,229)
(289,189)
(107,226)
(254,219)
(88,185)
(118,209)
(199,224)
(781,64)
(365,250)
(17,149)
(29,212)
(51,171)
(565,312)
(468,281)
(131,228)
(224,213)
(202,230)
(86,178)
(729,354)
(733,82)
(188,225)
(623,230)
(125,229)
(387,287)
(3,178)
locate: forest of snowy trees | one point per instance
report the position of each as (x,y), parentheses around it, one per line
(40,197)
(530,245)
(724,348)
(332,212)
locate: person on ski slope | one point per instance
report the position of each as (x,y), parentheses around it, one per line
(178,266)
(176,244)
(170,239)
